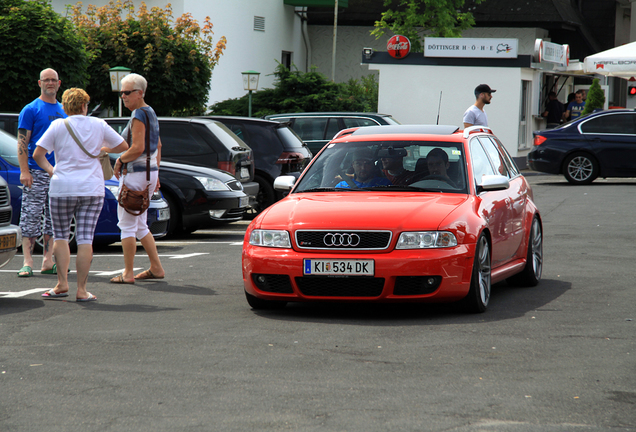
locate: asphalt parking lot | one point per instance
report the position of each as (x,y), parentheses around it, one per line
(188,354)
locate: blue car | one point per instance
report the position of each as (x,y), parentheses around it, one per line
(106,231)
(602,144)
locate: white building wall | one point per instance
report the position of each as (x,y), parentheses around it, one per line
(412,95)
(247,49)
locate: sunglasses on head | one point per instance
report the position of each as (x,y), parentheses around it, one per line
(128,92)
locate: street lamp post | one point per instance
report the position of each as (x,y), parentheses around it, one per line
(250,83)
(116,74)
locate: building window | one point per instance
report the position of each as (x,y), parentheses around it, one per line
(286,59)
(259,23)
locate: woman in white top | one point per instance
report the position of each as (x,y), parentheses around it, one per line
(77,185)
(133,161)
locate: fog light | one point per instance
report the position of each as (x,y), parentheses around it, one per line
(431,281)
(217,214)
(261,279)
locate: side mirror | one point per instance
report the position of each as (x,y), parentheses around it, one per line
(493,183)
(284,183)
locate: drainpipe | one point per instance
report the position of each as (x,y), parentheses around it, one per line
(302,13)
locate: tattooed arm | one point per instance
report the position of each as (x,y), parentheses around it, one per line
(23,157)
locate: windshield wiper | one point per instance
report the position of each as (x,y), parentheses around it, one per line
(326,189)
(402,188)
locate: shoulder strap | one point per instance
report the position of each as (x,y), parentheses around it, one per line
(68,126)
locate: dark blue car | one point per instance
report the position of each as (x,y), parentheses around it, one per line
(106,231)
(602,144)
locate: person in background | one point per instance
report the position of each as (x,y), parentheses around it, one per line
(34,120)
(554,110)
(77,185)
(133,227)
(475,114)
(576,107)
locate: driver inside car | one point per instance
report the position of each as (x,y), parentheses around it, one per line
(365,172)
(438,164)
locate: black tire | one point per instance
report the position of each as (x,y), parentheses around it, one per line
(480,286)
(260,304)
(531,273)
(72,241)
(580,168)
(266,195)
(174,223)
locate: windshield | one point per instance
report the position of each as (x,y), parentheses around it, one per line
(427,166)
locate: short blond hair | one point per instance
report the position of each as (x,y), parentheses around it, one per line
(73,100)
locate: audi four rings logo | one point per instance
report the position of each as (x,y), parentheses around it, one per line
(341,239)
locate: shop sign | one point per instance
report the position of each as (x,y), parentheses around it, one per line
(471,47)
(551,53)
(399,46)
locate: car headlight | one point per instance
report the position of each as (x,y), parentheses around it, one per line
(426,240)
(114,190)
(270,238)
(212,184)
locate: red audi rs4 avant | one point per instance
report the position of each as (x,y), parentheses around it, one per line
(398,213)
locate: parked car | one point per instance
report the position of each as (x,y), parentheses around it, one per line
(462,219)
(10,234)
(9,122)
(206,143)
(200,197)
(602,144)
(277,151)
(106,231)
(318,128)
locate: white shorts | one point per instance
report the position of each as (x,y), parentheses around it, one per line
(130,225)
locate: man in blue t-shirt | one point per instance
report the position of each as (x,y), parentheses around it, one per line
(575,108)
(364,171)
(34,120)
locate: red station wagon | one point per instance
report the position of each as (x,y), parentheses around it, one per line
(397,214)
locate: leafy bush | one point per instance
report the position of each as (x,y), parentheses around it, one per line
(34,37)
(296,91)
(595,98)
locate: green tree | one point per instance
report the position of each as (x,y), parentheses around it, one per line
(296,91)
(595,98)
(416,18)
(177,60)
(34,37)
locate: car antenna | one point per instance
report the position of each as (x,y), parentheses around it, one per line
(440,106)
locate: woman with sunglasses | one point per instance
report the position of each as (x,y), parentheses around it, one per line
(133,227)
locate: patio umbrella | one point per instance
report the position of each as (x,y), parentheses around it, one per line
(616,62)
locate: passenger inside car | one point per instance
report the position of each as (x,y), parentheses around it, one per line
(438,165)
(365,174)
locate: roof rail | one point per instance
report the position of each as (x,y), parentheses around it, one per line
(475,129)
(343,132)
(407,129)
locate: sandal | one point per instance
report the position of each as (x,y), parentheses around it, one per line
(25,271)
(120,280)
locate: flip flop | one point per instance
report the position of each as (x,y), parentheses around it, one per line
(120,280)
(52,294)
(52,270)
(147,274)
(26,269)
(90,297)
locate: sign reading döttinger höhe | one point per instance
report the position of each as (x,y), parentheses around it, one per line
(399,46)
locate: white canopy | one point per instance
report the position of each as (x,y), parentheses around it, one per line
(617,62)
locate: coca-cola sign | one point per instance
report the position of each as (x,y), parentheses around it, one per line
(399,46)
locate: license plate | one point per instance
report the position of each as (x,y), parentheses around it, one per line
(7,241)
(338,267)
(244,202)
(163,214)
(245,173)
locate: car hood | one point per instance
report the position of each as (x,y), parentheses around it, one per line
(360,210)
(194,170)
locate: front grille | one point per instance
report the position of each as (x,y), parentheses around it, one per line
(159,227)
(235,185)
(273,283)
(343,240)
(416,285)
(233,214)
(329,286)
(4,195)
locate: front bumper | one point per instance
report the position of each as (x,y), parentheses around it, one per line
(251,190)
(399,276)
(10,240)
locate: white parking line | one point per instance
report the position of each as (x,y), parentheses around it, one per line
(17,294)
(188,255)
